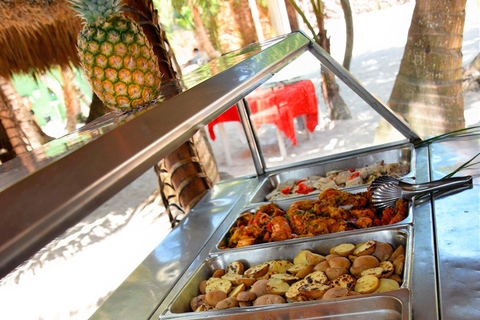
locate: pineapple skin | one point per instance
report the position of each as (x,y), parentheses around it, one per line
(119,62)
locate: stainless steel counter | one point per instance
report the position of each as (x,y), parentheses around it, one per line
(457,232)
(139,295)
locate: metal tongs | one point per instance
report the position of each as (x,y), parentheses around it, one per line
(386,190)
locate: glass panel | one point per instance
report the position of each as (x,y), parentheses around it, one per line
(294,124)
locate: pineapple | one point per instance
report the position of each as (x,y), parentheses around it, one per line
(117,58)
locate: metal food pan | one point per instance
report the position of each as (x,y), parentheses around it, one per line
(384,305)
(404,155)
(284,204)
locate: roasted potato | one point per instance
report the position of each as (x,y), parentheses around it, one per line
(344,249)
(285,277)
(332,256)
(218,273)
(197,301)
(232,277)
(215,296)
(257,271)
(279,266)
(301,270)
(335,292)
(387,285)
(246,281)
(367,284)
(383,251)
(277,286)
(399,251)
(340,262)
(377,272)
(260,287)
(313,290)
(236,267)
(243,304)
(246,296)
(236,290)
(396,278)
(322,266)
(269,299)
(344,281)
(230,302)
(300,258)
(214,284)
(388,269)
(363,263)
(293,292)
(317,277)
(314,258)
(398,264)
(202,286)
(365,249)
(335,272)
(204,307)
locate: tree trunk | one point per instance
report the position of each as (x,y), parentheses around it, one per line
(72,104)
(7,116)
(428,87)
(336,107)
(182,176)
(244,20)
(201,32)
(347,12)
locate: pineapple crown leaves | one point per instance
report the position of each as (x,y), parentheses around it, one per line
(92,10)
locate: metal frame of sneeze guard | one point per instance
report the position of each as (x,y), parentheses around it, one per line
(350,81)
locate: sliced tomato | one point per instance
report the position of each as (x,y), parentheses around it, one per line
(286,190)
(354,175)
(303,189)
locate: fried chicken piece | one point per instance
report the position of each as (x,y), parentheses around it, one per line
(364,222)
(280,229)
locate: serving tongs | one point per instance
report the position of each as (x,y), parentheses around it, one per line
(386,190)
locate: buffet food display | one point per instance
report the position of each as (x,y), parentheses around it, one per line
(337,179)
(333,211)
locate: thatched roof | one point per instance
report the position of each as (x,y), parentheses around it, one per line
(36,34)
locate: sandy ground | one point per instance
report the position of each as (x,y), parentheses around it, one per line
(75,273)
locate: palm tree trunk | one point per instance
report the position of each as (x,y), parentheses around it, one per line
(201,32)
(183,179)
(428,87)
(347,12)
(7,117)
(72,104)
(244,20)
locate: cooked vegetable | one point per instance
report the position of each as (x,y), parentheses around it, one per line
(257,271)
(383,251)
(285,277)
(230,302)
(236,290)
(314,290)
(246,281)
(243,304)
(377,272)
(202,286)
(388,269)
(197,302)
(363,263)
(301,270)
(214,284)
(340,262)
(314,258)
(399,251)
(344,281)
(279,266)
(335,292)
(301,258)
(398,264)
(344,249)
(365,249)
(322,266)
(367,284)
(218,273)
(232,277)
(335,272)
(269,299)
(246,296)
(387,285)
(235,267)
(277,286)
(260,287)
(214,296)
(293,292)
